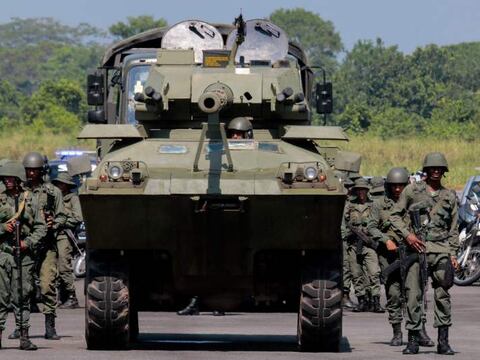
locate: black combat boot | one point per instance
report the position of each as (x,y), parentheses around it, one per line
(368,302)
(377,308)
(25,343)
(50,332)
(412,345)
(362,305)
(443,347)
(347,303)
(14,335)
(424,339)
(71,303)
(191,309)
(397,335)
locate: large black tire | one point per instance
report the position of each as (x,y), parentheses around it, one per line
(320,312)
(107,314)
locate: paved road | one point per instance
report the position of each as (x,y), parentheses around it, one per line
(248,336)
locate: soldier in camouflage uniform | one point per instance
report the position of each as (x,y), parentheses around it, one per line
(347,302)
(347,167)
(17,205)
(74,217)
(379,226)
(438,214)
(364,260)
(49,199)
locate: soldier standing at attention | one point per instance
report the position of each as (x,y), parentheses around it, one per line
(437,208)
(17,207)
(49,199)
(363,257)
(379,226)
(73,211)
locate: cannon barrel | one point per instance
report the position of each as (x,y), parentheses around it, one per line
(215,98)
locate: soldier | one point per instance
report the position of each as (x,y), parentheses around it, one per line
(64,182)
(379,226)
(18,207)
(347,167)
(361,249)
(347,302)
(49,199)
(240,128)
(438,214)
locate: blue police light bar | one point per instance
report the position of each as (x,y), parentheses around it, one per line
(68,153)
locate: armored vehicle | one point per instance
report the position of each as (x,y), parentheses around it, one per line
(178,208)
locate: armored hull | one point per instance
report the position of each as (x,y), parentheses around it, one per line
(181,205)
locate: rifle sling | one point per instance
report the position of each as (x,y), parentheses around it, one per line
(21,207)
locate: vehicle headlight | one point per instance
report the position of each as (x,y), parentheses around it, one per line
(115,171)
(310,173)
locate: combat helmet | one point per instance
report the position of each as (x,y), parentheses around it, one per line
(435,159)
(14,169)
(241,123)
(398,175)
(361,183)
(64,178)
(34,160)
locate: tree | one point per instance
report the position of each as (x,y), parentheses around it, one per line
(317,36)
(135,25)
(63,94)
(19,33)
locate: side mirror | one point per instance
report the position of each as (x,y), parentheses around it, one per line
(96,117)
(95,88)
(324,98)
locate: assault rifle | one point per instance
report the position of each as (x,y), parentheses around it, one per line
(417,230)
(362,239)
(18,260)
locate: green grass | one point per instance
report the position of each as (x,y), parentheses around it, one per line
(378,155)
(15,143)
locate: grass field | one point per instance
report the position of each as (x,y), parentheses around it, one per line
(378,155)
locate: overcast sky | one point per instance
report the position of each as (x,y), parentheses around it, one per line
(406,23)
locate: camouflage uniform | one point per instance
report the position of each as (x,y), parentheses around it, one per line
(49,262)
(32,230)
(65,249)
(441,244)
(365,268)
(379,227)
(438,211)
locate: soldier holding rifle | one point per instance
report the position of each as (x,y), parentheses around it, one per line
(361,248)
(22,226)
(389,249)
(50,202)
(433,234)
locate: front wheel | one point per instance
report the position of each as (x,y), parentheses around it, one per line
(470,272)
(79,266)
(320,313)
(108,306)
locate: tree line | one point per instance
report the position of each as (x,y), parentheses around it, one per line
(378,90)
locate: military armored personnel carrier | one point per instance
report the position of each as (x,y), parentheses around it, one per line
(177,208)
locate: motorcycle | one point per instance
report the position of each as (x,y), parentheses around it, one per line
(79,242)
(468,255)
